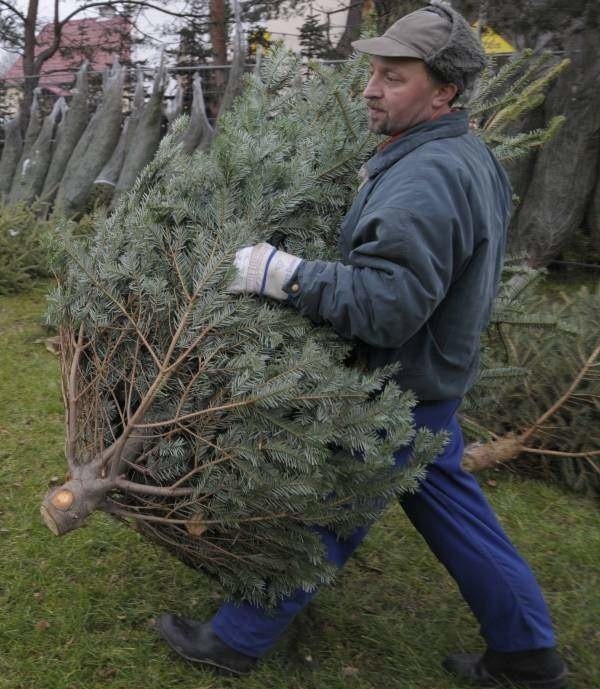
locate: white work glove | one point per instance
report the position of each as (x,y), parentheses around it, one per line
(263,270)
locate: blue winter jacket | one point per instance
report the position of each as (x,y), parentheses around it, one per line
(422,248)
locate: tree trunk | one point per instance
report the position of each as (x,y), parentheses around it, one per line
(218,38)
(31,79)
(556,187)
(236,71)
(479,456)
(389,10)
(352,30)
(565,170)
(592,221)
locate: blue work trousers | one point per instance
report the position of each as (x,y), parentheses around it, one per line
(452,514)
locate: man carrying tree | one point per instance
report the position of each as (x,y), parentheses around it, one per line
(422,249)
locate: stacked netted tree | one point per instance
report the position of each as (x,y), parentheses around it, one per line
(224,427)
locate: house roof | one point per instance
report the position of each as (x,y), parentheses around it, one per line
(97,40)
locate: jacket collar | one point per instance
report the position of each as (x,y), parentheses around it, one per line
(450,125)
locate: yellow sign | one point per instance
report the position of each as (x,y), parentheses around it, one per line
(493,43)
(259,37)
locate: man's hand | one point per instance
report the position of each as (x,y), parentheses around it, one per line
(263,270)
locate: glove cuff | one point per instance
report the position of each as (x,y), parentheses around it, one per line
(263,283)
(279,269)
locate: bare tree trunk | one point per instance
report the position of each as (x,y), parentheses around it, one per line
(389,10)
(218,38)
(352,30)
(593,214)
(30,80)
(480,456)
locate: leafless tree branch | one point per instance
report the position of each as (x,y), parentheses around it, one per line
(13,9)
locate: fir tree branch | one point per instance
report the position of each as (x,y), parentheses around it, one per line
(347,120)
(564,398)
(72,397)
(133,368)
(560,453)
(118,304)
(201,467)
(477,427)
(236,405)
(145,489)
(498,80)
(348,159)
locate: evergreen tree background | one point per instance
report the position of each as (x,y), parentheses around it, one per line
(313,38)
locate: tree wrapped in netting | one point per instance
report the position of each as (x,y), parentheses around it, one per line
(109,175)
(144,141)
(30,174)
(11,153)
(199,133)
(94,147)
(69,131)
(34,125)
(16,152)
(221,426)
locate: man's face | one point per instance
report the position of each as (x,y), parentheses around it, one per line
(401,94)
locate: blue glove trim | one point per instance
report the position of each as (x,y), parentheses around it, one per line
(264,280)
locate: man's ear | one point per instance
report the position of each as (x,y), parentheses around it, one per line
(444,94)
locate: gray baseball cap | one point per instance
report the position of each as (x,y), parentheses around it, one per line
(418,35)
(439,36)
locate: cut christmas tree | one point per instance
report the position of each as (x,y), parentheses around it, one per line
(224,427)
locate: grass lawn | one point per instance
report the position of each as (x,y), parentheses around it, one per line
(77,612)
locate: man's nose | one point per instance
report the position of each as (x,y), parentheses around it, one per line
(372,89)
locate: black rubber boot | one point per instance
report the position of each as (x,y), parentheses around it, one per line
(537,669)
(196,642)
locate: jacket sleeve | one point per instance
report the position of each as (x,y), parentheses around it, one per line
(397,273)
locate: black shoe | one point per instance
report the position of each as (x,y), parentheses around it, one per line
(537,669)
(196,642)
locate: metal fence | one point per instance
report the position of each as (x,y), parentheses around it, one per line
(11,89)
(213,86)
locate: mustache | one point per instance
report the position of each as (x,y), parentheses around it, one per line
(373,103)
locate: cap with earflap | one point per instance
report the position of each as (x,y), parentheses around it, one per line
(439,36)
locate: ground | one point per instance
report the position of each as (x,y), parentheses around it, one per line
(77,612)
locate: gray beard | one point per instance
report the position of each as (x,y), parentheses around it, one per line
(381,129)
